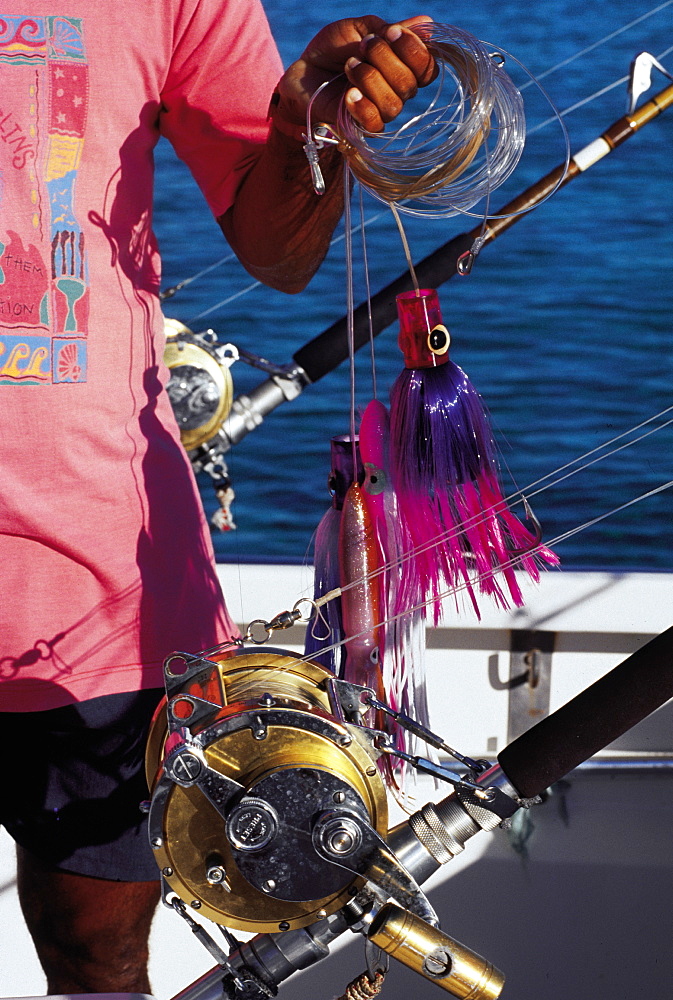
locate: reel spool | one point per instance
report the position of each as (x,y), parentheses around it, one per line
(258,779)
(200,386)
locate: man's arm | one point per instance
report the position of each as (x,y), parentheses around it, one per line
(278,226)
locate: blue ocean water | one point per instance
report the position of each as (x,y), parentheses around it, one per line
(564,325)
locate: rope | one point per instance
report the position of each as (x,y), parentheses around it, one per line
(364,988)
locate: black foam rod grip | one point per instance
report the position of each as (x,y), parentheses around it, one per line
(592,720)
(326,351)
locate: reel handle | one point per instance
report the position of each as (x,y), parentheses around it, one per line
(435,955)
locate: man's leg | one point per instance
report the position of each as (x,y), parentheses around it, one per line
(91,934)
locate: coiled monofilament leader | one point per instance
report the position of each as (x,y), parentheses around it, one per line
(456,152)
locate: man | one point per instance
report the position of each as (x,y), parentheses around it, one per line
(107,564)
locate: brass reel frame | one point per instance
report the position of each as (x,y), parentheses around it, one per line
(253,719)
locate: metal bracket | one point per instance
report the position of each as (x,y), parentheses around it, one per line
(529,679)
(346,840)
(351,699)
(640,78)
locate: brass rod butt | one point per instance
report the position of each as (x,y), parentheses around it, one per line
(432,953)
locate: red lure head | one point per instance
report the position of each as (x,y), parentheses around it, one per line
(423,338)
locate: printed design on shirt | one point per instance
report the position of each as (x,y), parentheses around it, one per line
(44,275)
(23,40)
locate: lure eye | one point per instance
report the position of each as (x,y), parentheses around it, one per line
(439,339)
(375,480)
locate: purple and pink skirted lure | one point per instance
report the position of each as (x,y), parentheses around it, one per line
(456,530)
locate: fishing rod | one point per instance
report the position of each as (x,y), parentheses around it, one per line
(328,349)
(212,421)
(261,857)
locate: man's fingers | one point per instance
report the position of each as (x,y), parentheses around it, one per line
(387,97)
(410,49)
(364,111)
(390,68)
(332,46)
(397,75)
(387,72)
(400,57)
(384,65)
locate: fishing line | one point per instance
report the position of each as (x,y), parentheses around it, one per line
(602,517)
(258,284)
(224,302)
(602,41)
(370,319)
(453,591)
(405,247)
(606,444)
(463,146)
(168,293)
(349,312)
(517,497)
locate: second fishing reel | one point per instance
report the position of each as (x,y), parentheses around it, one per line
(201,392)
(268,813)
(200,386)
(210,419)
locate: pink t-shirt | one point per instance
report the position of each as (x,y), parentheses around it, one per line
(105,559)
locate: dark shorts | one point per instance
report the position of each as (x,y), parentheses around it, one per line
(72,781)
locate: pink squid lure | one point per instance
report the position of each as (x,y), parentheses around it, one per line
(360,594)
(403,645)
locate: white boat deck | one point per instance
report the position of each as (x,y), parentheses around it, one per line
(587,914)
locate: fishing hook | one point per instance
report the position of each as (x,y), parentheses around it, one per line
(537,538)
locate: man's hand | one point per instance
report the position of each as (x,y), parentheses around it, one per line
(378,65)
(279,228)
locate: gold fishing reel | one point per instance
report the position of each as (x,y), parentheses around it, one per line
(258,780)
(200,386)
(268,814)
